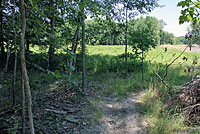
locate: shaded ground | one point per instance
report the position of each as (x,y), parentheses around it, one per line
(58,109)
(119,116)
(195,48)
(66,109)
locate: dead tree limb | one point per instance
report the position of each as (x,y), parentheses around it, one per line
(166,70)
(74,47)
(163,81)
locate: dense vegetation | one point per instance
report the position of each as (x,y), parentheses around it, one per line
(104,32)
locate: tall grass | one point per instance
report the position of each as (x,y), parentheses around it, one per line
(161,118)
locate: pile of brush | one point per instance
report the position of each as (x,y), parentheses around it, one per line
(187,100)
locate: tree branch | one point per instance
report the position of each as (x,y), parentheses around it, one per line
(166,70)
(163,81)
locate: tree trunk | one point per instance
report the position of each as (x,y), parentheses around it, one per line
(1,30)
(142,61)
(159,40)
(51,47)
(126,41)
(8,54)
(27,47)
(74,47)
(5,70)
(15,61)
(23,106)
(83,52)
(23,66)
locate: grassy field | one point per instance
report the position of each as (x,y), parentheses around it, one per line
(107,50)
(157,54)
(109,59)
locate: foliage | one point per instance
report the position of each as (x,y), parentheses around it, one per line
(134,7)
(195,32)
(143,34)
(167,38)
(181,40)
(104,32)
(190,11)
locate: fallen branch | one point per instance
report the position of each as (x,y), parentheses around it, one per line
(191,110)
(56,111)
(8,110)
(72,120)
(191,107)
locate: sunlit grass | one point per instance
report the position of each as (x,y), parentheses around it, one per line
(160,56)
(107,50)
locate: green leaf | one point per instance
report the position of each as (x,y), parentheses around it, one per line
(72,68)
(181,4)
(31,2)
(58,74)
(189,17)
(81,6)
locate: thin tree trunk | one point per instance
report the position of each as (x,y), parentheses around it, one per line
(51,47)
(23,106)
(5,70)
(74,46)
(159,41)
(83,53)
(23,66)
(142,61)
(27,47)
(8,53)
(1,30)
(126,41)
(15,61)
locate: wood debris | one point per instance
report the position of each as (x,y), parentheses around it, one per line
(187,100)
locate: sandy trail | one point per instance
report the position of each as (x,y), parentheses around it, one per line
(119,117)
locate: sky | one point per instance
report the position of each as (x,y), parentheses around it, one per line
(170,14)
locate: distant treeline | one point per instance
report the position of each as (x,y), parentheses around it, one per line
(104,32)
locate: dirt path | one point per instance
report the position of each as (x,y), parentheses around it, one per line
(196,48)
(119,117)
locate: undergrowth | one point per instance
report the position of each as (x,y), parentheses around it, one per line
(160,118)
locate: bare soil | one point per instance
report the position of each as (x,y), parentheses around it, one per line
(195,48)
(119,116)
